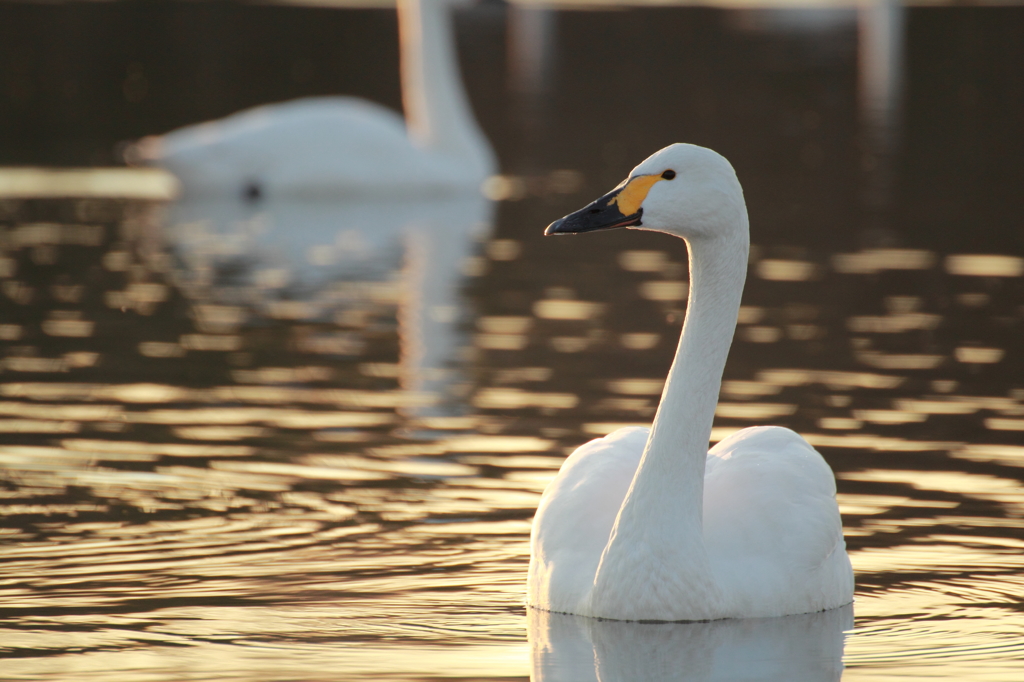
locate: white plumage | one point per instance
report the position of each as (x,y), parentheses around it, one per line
(344,147)
(647,524)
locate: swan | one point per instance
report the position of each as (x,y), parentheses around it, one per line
(647,525)
(340,147)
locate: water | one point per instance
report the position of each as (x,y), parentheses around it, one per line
(278,506)
(230,455)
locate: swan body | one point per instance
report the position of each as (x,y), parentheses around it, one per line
(343,147)
(648,524)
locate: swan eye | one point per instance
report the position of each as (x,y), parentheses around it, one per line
(669,174)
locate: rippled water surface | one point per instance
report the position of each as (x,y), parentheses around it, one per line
(205,475)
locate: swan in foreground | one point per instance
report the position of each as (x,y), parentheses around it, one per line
(340,147)
(649,525)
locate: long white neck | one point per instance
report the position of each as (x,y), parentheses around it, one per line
(678,443)
(437,111)
(658,535)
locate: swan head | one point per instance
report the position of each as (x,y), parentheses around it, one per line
(684,190)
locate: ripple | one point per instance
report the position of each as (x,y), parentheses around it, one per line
(248,494)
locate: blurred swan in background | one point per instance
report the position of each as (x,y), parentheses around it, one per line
(807,647)
(338,147)
(649,525)
(350,194)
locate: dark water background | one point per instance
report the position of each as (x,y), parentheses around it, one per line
(209,478)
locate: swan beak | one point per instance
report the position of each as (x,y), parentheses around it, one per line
(604,214)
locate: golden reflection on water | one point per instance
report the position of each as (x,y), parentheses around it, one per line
(243,490)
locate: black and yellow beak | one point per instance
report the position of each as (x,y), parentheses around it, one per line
(619,208)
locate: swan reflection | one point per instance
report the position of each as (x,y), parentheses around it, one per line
(320,261)
(786,649)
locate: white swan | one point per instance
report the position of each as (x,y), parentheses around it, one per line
(338,147)
(645,525)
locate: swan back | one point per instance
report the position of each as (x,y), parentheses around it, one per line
(306,147)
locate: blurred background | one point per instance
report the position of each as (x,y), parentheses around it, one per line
(252,436)
(776,90)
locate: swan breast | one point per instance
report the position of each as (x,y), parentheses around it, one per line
(575,518)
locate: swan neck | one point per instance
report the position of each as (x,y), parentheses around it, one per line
(662,515)
(438,114)
(682,425)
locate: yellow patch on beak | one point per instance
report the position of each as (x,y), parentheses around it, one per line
(633,194)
